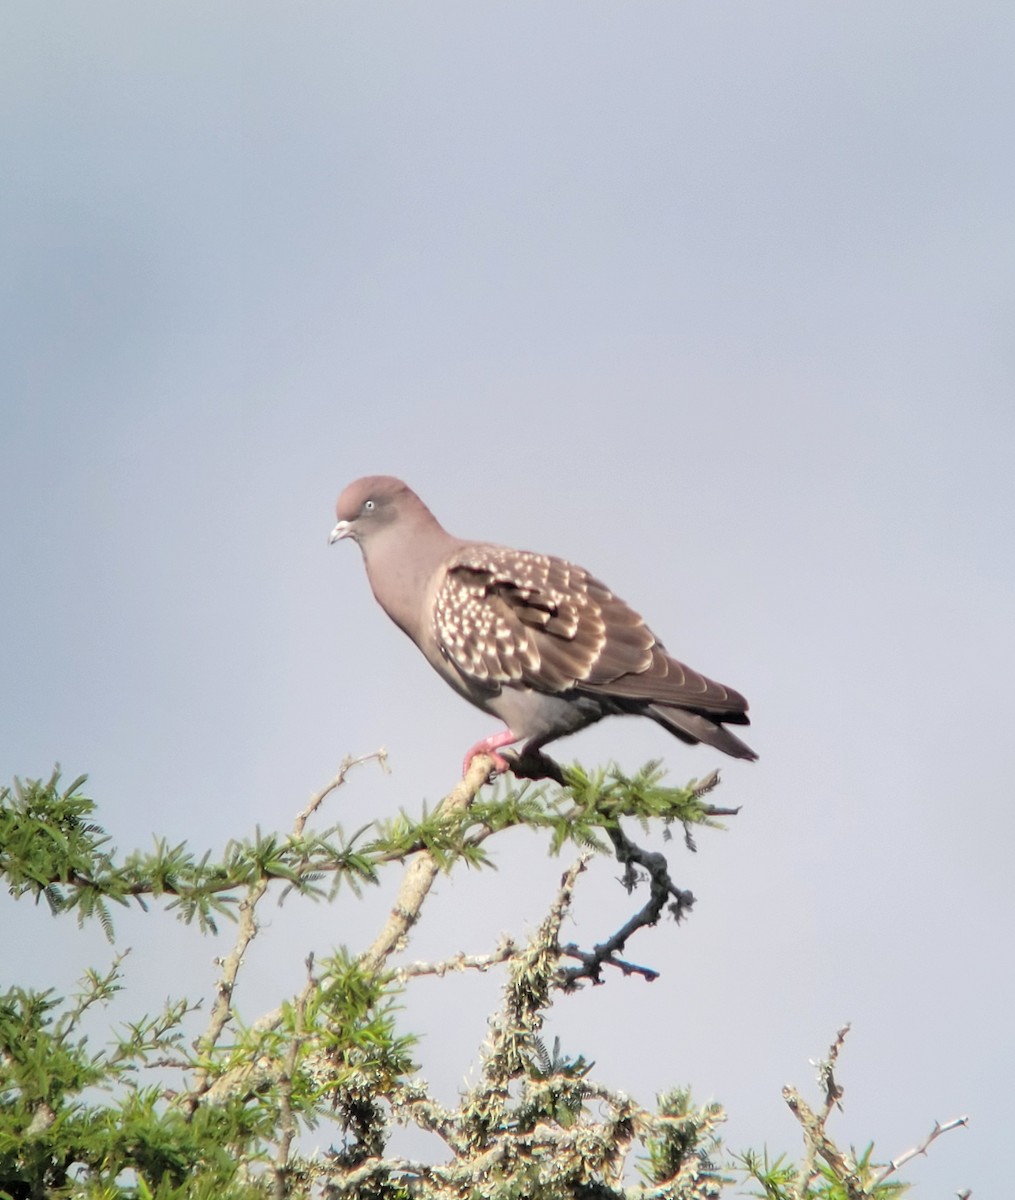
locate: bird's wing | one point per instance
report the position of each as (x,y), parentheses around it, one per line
(509,616)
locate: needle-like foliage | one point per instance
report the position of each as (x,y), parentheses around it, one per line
(195,1101)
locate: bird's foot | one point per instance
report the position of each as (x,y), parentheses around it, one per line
(490,746)
(534,764)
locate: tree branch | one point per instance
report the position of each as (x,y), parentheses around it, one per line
(222,1008)
(422,871)
(507,948)
(286,1118)
(818,1142)
(416,883)
(833,1094)
(661,889)
(318,798)
(934,1134)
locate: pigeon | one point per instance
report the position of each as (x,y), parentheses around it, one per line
(531,639)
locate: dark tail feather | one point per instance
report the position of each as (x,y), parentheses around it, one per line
(693,728)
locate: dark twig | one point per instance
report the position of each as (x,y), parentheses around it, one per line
(663,892)
(594,961)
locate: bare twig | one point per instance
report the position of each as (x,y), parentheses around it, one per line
(318,798)
(934,1134)
(461,962)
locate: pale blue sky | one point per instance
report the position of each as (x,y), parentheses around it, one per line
(717,300)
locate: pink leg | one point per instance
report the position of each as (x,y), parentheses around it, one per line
(490,746)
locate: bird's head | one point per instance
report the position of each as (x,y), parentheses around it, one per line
(370,505)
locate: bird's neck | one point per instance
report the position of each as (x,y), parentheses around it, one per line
(400,575)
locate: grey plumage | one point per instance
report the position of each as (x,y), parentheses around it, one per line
(534,640)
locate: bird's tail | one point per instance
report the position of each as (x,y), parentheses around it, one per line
(693,727)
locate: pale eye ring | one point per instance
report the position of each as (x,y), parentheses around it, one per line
(368,506)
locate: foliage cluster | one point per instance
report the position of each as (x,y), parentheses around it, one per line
(155,1113)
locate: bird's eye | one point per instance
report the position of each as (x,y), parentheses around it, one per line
(368,505)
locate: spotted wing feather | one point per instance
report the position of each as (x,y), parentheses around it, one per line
(507,617)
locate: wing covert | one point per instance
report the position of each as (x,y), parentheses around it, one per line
(507,616)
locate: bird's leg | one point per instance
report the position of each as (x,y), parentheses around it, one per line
(490,746)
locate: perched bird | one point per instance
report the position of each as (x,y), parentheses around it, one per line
(533,640)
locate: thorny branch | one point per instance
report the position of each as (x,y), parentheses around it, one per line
(934,1134)
(520,1017)
(483,1135)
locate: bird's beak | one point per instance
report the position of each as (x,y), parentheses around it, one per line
(341,530)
